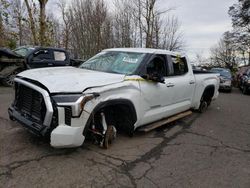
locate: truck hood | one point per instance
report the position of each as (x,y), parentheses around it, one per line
(70,79)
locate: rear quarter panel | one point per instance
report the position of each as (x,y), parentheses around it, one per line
(203,81)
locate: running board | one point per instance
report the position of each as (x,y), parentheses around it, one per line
(170,119)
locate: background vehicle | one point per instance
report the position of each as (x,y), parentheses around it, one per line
(27,57)
(225,78)
(244,81)
(118,89)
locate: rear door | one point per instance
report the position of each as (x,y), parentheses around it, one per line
(182,80)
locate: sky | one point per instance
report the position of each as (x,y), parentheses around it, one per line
(203,22)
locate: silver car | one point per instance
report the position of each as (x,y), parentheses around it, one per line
(225,78)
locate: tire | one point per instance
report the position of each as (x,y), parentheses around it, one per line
(12,118)
(203,106)
(9,80)
(244,90)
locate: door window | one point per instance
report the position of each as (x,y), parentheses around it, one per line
(59,56)
(42,55)
(157,66)
(179,65)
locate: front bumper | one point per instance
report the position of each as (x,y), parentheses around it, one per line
(62,136)
(226,85)
(66,137)
(56,122)
(35,128)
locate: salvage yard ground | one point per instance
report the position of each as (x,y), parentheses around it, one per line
(202,150)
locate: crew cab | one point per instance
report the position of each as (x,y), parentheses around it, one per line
(30,57)
(120,89)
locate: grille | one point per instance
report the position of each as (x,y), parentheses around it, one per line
(30,103)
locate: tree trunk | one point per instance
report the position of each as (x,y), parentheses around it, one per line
(2,32)
(32,23)
(42,36)
(249,58)
(20,32)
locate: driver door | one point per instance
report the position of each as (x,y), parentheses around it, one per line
(157,97)
(41,58)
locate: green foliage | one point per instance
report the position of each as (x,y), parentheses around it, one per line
(11,43)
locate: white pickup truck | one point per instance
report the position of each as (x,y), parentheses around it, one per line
(117,89)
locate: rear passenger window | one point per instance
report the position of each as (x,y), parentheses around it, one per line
(179,65)
(59,56)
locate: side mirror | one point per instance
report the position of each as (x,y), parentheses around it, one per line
(155,77)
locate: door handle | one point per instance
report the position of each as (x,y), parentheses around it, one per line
(170,85)
(50,64)
(192,82)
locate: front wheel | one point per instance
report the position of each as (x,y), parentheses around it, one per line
(9,80)
(109,136)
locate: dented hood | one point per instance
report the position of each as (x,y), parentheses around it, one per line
(4,52)
(70,79)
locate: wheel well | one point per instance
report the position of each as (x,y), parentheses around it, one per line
(119,113)
(208,94)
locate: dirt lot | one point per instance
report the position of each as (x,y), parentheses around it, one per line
(203,150)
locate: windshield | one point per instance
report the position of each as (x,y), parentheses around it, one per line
(23,51)
(225,74)
(114,62)
(222,72)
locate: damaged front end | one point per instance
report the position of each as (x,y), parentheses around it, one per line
(60,116)
(10,65)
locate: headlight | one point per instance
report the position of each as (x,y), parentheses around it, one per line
(75,101)
(66,98)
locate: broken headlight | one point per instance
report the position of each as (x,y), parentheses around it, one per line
(75,101)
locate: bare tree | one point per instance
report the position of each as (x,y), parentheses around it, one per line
(150,26)
(224,54)
(66,23)
(91,27)
(42,20)
(172,37)
(2,40)
(31,21)
(123,24)
(18,15)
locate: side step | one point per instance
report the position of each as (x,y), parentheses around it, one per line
(157,124)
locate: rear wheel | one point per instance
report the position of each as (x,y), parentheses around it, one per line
(203,106)
(244,90)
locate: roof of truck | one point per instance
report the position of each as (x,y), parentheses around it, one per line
(145,50)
